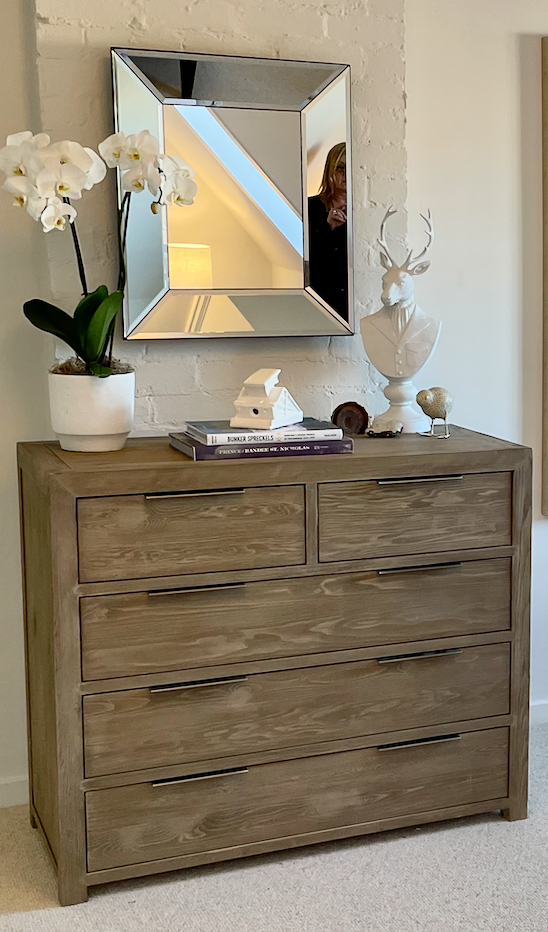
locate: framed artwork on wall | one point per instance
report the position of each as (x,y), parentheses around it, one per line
(545,274)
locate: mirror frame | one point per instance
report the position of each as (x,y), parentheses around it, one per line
(340,72)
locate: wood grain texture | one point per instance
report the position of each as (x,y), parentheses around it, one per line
(71,861)
(151,465)
(141,822)
(40,658)
(137,729)
(205,765)
(289,842)
(521,586)
(365,519)
(291,630)
(132,634)
(124,537)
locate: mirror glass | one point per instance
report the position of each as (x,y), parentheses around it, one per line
(265,248)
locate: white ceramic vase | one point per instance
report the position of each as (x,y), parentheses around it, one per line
(89,414)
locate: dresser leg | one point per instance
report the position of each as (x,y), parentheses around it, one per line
(71,891)
(515,812)
(32,820)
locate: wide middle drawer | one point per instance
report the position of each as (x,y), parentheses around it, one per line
(139,632)
(142,728)
(134,536)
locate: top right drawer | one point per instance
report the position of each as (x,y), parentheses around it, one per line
(430,514)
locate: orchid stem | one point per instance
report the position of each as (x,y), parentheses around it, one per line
(126,201)
(78,251)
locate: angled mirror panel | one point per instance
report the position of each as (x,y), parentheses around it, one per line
(223,80)
(243,259)
(146,252)
(236,315)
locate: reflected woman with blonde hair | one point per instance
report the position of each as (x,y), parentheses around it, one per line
(328,250)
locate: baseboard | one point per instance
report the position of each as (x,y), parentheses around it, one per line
(14,791)
(539,713)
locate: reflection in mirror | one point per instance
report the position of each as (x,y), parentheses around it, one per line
(264,248)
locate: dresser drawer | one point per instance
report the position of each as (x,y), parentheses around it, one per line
(141,728)
(133,536)
(143,822)
(379,518)
(136,633)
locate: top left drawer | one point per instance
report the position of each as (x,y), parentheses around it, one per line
(136,536)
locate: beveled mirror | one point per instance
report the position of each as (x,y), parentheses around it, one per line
(265,249)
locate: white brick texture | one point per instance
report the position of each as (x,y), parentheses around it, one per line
(180,380)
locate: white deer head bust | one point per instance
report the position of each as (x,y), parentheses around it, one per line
(399,338)
(398,285)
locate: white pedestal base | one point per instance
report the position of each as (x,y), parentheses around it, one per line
(401,394)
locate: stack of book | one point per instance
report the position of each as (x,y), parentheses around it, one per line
(217,440)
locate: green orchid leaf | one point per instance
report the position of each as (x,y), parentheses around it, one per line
(53,320)
(97,335)
(86,309)
(101,371)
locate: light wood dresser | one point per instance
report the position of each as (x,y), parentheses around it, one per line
(226,659)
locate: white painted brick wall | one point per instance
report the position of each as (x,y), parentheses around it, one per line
(176,380)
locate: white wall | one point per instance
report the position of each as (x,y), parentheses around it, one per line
(474,157)
(175,380)
(23,411)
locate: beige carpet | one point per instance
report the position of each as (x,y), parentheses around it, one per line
(475,875)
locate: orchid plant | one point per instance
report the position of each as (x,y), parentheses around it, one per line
(45,178)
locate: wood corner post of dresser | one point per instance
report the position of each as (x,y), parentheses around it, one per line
(71,856)
(519,688)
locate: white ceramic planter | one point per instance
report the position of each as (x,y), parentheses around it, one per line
(89,414)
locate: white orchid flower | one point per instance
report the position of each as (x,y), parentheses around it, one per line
(36,204)
(141,147)
(22,159)
(26,195)
(17,139)
(20,187)
(172,163)
(112,149)
(179,189)
(66,152)
(141,176)
(97,171)
(61,179)
(56,213)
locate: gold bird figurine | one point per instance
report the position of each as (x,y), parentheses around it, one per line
(436,403)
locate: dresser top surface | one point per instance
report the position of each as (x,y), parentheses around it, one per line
(156,452)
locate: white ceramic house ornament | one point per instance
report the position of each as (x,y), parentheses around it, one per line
(399,339)
(265,405)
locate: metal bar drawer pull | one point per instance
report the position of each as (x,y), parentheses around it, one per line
(206,494)
(419,479)
(419,569)
(190,589)
(422,655)
(399,745)
(194,778)
(198,684)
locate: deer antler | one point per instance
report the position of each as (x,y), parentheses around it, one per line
(412,260)
(382,237)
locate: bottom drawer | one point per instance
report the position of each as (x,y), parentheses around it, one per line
(143,822)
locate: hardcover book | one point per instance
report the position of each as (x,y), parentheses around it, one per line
(214,433)
(201,451)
